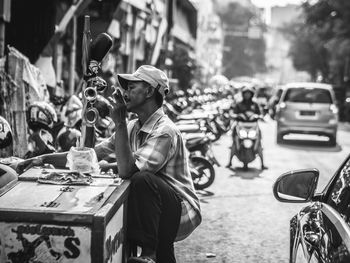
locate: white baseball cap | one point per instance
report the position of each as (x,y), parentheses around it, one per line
(153,76)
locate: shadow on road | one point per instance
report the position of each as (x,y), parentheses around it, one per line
(203,194)
(247,174)
(309,145)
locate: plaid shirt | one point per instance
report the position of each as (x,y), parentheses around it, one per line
(158,147)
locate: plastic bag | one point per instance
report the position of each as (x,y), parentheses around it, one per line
(83,160)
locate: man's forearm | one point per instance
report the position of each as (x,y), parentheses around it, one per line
(58,160)
(125,159)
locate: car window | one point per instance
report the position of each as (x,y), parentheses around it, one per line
(339,197)
(307,95)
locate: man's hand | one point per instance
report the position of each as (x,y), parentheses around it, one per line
(108,91)
(105,166)
(117,107)
(27,164)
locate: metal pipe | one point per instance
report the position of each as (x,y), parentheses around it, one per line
(73,57)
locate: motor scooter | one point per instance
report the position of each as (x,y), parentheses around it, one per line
(201,145)
(247,138)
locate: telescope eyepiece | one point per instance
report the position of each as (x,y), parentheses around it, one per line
(90,94)
(91,116)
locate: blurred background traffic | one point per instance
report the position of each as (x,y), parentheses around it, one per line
(210,50)
(294,55)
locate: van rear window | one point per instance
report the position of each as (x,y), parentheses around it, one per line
(307,95)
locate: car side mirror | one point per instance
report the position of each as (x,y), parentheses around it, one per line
(296,186)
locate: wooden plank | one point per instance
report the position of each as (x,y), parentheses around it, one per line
(127,246)
(5,105)
(18,99)
(115,200)
(97,239)
(47,217)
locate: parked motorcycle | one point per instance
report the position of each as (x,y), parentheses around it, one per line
(205,120)
(41,117)
(202,172)
(201,157)
(247,139)
(199,144)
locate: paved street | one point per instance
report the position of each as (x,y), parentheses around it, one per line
(242,222)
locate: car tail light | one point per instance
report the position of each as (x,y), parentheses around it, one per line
(280,107)
(333,109)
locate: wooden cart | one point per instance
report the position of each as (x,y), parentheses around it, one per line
(63,223)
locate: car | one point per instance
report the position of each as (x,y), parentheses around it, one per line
(307,108)
(320,231)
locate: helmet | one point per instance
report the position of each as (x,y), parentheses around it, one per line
(5,133)
(67,137)
(41,115)
(248,89)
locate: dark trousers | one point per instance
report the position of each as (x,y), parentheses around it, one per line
(154,211)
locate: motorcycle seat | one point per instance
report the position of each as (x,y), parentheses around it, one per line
(183,122)
(187,128)
(193,116)
(198,138)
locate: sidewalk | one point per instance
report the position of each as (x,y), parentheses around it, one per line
(344,126)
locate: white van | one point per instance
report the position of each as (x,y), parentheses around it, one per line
(307,108)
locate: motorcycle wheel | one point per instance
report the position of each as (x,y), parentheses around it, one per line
(202,172)
(245,166)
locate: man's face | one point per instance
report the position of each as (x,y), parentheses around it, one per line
(247,95)
(135,95)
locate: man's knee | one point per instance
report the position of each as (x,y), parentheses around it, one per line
(142,178)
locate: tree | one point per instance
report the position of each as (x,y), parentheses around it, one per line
(320,43)
(307,50)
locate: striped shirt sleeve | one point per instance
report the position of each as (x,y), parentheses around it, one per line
(154,153)
(105,150)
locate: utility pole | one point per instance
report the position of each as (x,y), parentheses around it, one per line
(131,59)
(73,57)
(5,16)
